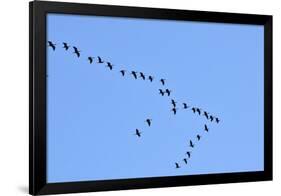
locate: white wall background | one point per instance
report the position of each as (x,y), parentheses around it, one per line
(14,95)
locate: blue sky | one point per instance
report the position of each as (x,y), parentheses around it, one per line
(92,112)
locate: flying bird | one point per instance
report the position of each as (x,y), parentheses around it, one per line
(109,65)
(142,75)
(206,114)
(148,121)
(173,102)
(174,110)
(65,46)
(191,144)
(76,51)
(211,118)
(90,59)
(188,154)
(177,165)
(123,72)
(168,92)
(206,128)
(193,109)
(150,78)
(134,73)
(185,106)
(217,120)
(52,45)
(185,160)
(138,133)
(162,81)
(100,60)
(198,110)
(198,137)
(161,92)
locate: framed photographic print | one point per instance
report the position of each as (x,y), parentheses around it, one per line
(129,98)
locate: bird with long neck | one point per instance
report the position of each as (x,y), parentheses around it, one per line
(193,109)
(52,45)
(191,144)
(150,78)
(173,103)
(134,73)
(188,154)
(138,133)
(90,59)
(100,60)
(206,128)
(185,160)
(148,121)
(185,106)
(76,51)
(142,75)
(109,65)
(174,110)
(206,114)
(65,46)
(123,72)
(161,92)
(162,81)
(168,91)
(217,120)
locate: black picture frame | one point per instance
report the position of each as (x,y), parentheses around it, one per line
(37,97)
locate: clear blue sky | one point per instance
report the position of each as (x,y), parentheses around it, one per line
(92,113)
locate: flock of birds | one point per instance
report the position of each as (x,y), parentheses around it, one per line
(162,91)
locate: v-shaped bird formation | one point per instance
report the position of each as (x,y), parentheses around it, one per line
(163,91)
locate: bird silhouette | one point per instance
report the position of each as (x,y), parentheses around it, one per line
(211,118)
(185,160)
(100,60)
(138,133)
(52,45)
(109,65)
(148,121)
(206,128)
(185,106)
(168,92)
(188,154)
(76,51)
(174,110)
(142,75)
(206,114)
(191,144)
(198,110)
(134,73)
(162,81)
(217,120)
(90,59)
(193,109)
(123,72)
(177,165)
(161,92)
(198,137)
(65,46)
(150,78)
(174,103)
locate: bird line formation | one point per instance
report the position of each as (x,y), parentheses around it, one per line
(191,145)
(162,91)
(141,75)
